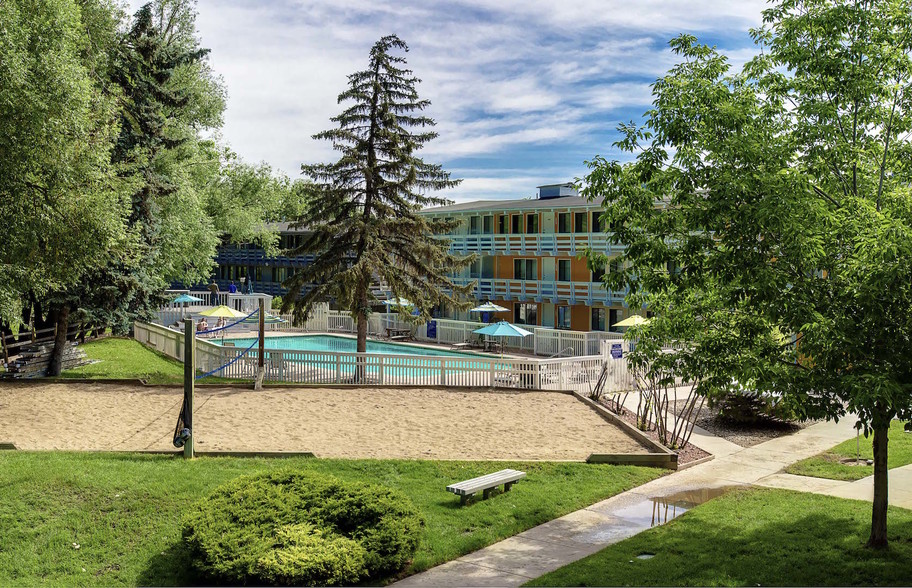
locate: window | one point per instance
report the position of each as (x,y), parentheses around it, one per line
(598,274)
(598,319)
(612,319)
(532,224)
(563,317)
(487,225)
(475,269)
(516,224)
(563,270)
(525,269)
(473,225)
(563,222)
(579,222)
(502,225)
(525,314)
(597,225)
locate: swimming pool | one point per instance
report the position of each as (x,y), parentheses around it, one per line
(328,356)
(348,345)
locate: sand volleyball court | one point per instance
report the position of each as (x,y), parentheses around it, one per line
(348,423)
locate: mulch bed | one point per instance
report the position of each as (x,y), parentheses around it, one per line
(745,435)
(689,453)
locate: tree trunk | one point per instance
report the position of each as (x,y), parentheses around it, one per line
(55,366)
(879,515)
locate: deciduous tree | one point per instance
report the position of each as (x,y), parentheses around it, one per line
(767,215)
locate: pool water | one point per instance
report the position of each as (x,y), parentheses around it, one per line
(416,365)
(348,345)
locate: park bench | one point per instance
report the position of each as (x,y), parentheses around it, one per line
(486,483)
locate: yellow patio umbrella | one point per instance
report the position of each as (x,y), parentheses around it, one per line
(223,312)
(631,321)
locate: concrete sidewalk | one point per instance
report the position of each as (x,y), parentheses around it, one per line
(899,489)
(557,543)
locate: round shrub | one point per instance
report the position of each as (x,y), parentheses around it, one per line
(304,528)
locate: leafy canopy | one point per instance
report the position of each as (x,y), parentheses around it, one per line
(61,203)
(767,216)
(771,206)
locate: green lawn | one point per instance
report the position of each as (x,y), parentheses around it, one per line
(120,358)
(754,538)
(826,464)
(123,510)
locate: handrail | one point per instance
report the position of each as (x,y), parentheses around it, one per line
(561,352)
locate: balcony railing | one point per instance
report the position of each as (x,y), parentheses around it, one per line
(544,291)
(539,244)
(258,257)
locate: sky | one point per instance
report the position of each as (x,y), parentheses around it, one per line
(523,92)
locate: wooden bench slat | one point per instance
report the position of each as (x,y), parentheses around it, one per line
(489,477)
(486,482)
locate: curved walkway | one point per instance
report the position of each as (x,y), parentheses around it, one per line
(556,543)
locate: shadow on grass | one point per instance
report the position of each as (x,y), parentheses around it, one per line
(799,543)
(171,567)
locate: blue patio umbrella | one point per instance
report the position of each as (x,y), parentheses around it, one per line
(187,298)
(184,299)
(502,329)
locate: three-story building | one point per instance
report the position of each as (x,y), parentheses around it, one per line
(531,258)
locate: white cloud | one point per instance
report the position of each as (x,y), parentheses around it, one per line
(506,79)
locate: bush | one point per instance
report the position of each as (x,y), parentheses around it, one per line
(276,303)
(293,527)
(748,407)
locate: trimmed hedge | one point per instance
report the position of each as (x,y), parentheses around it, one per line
(298,527)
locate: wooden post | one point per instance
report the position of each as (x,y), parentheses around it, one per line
(189,381)
(5,349)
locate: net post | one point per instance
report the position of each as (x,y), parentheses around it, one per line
(261,360)
(189,381)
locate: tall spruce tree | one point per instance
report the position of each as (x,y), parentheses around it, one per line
(363,222)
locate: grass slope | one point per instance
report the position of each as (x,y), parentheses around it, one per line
(123,510)
(754,538)
(826,464)
(120,358)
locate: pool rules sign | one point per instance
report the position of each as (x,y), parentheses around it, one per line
(616,351)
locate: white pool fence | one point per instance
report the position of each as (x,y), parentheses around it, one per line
(544,341)
(327,367)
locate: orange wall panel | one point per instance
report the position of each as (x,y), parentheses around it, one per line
(579,318)
(579,271)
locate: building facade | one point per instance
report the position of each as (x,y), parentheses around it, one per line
(249,265)
(531,259)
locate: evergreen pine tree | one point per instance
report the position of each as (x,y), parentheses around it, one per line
(363,222)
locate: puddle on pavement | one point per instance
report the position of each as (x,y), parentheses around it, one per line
(651,512)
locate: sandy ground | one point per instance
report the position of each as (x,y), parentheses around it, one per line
(367,423)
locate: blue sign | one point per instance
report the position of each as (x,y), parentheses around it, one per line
(432,329)
(616,351)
